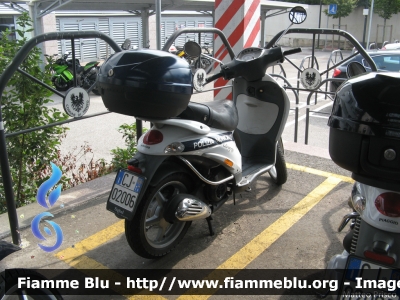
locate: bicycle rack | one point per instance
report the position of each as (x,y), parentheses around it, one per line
(372,46)
(224,40)
(4,79)
(314,32)
(311,60)
(334,59)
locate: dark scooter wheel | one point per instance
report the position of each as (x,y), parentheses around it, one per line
(148,233)
(13,292)
(60,84)
(278,173)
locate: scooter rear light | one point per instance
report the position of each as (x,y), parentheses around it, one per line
(153,137)
(336,72)
(388,260)
(388,204)
(135,169)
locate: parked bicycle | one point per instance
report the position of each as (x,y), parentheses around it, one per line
(205,60)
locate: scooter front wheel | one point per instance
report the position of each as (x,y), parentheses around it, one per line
(148,233)
(278,172)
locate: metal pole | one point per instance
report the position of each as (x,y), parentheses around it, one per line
(326,36)
(144,15)
(158,23)
(7,185)
(74,63)
(139,129)
(365,29)
(319,21)
(307,125)
(370,22)
(296,123)
(262,42)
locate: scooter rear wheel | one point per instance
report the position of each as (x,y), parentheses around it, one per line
(278,173)
(148,233)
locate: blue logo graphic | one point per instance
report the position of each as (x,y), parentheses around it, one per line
(47,185)
(41,199)
(36,231)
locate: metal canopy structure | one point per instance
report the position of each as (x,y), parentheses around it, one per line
(142,8)
(44,7)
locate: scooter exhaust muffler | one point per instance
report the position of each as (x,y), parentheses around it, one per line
(185,207)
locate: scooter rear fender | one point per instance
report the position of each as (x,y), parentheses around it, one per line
(156,168)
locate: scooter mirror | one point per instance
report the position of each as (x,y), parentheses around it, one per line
(126,45)
(355,68)
(192,49)
(297,15)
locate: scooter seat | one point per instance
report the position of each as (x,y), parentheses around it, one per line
(220,114)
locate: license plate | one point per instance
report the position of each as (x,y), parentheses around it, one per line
(125,193)
(369,280)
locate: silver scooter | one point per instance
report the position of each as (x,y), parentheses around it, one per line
(364,139)
(192,160)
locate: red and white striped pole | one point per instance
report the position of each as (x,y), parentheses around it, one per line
(239,20)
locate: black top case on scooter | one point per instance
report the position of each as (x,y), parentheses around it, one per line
(365,129)
(145,83)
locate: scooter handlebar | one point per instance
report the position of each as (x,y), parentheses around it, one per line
(213,77)
(291,51)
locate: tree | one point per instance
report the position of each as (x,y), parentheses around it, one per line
(385,9)
(344,8)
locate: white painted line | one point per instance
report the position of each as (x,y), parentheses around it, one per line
(318,116)
(311,114)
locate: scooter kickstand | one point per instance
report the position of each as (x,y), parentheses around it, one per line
(210,227)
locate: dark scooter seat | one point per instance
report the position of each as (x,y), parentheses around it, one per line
(220,114)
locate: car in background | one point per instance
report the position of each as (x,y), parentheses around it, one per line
(392,46)
(11,28)
(385,61)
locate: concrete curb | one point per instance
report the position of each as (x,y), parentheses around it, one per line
(69,198)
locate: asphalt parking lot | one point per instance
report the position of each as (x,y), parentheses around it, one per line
(288,227)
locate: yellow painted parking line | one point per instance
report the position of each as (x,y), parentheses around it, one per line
(265,239)
(92,242)
(318,172)
(75,258)
(89,266)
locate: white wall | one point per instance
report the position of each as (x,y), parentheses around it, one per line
(48,23)
(354,23)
